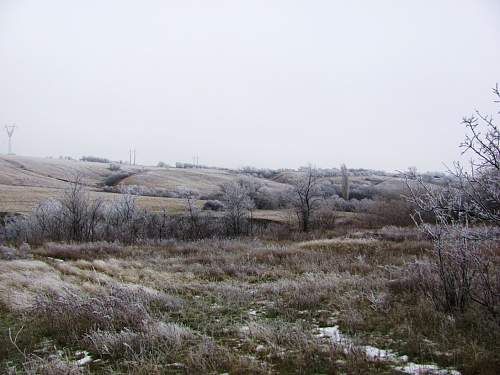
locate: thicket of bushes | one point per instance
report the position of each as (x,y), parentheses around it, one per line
(76,217)
(94,159)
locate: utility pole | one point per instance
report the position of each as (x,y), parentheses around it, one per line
(131,156)
(10,130)
(196,160)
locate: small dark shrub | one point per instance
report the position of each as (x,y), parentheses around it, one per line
(213,205)
(94,159)
(115,178)
(114,167)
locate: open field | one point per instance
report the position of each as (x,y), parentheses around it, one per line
(231,306)
(21,199)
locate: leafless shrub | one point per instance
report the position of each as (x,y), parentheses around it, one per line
(207,357)
(150,298)
(114,344)
(167,338)
(465,243)
(301,294)
(8,253)
(231,295)
(280,334)
(466,270)
(70,316)
(24,249)
(391,211)
(325,217)
(192,211)
(124,219)
(73,217)
(79,213)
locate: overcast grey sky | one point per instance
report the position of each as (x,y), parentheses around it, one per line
(270,83)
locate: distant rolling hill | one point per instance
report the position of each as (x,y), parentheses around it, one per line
(27,181)
(204,181)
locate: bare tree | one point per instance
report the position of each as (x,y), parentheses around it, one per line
(238,205)
(254,189)
(467,214)
(193,211)
(345,182)
(475,195)
(73,205)
(305,196)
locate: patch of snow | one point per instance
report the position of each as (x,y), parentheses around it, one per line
(176,364)
(333,333)
(376,354)
(85,360)
(56,259)
(417,369)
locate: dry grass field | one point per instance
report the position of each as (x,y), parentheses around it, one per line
(231,306)
(22,199)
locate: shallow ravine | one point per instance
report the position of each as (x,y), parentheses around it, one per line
(399,363)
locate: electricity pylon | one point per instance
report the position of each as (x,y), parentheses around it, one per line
(10,131)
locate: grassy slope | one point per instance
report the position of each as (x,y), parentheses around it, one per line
(205,181)
(27,181)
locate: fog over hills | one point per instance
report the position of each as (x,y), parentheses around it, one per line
(266,83)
